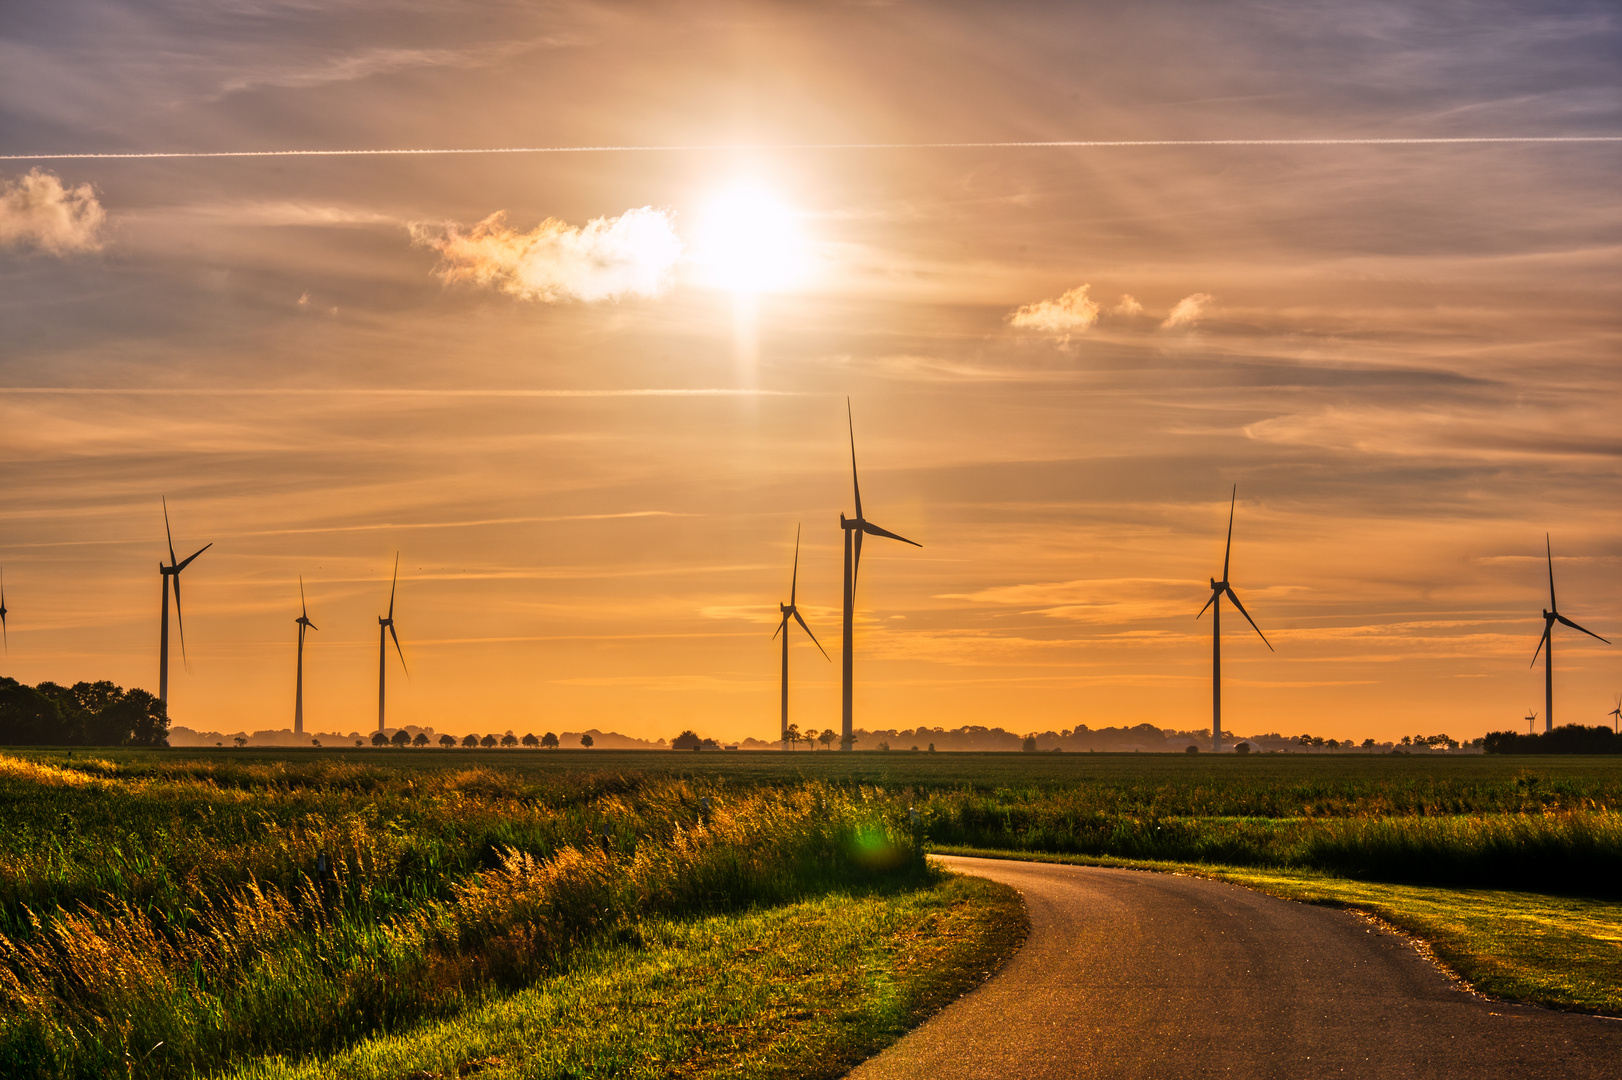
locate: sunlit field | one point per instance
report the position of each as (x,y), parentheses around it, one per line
(171,912)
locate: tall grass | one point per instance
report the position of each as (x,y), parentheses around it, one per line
(176,920)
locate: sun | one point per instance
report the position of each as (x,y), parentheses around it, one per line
(749,241)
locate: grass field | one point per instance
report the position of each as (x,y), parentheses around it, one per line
(287,910)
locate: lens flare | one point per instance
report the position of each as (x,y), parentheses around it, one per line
(750,242)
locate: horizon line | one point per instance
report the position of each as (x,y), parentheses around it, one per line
(1048,144)
(367,391)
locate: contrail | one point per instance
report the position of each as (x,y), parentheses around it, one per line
(1051,144)
(255,391)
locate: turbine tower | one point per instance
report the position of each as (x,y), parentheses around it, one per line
(1531,718)
(304,624)
(167,575)
(854,527)
(1546,642)
(385,630)
(1218,588)
(790,611)
(3,634)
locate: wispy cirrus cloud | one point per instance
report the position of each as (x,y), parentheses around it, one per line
(634,254)
(38,211)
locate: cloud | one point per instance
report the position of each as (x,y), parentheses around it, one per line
(1128,307)
(1189,310)
(634,254)
(1072,313)
(37,211)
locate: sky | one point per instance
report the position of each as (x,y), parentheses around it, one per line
(589,397)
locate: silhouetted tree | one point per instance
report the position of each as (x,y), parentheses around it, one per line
(687,740)
(549,741)
(1242,748)
(531,741)
(379,739)
(316,743)
(1192,749)
(809,737)
(85,714)
(401,738)
(827,737)
(587,741)
(1029,745)
(509,740)
(420,740)
(1368,744)
(792,736)
(27,716)
(241,741)
(447,741)
(470,741)
(488,741)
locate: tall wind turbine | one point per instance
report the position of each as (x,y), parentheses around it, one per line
(1218,588)
(3,634)
(790,611)
(171,574)
(385,630)
(1615,714)
(304,624)
(1546,642)
(854,527)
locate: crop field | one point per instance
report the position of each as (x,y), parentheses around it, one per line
(184,912)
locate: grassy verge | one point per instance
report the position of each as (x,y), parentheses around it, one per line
(1559,952)
(800,990)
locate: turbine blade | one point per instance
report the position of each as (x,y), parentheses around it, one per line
(794,581)
(854,482)
(1235,598)
(1214,594)
(1548,553)
(780,626)
(856,562)
(1548,625)
(393,583)
(1228,549)
(869,527)
(812,636)
(399,650)
(179,622)
(1574,626)
(304,609)
(167,533)
(311,625)
(187,562)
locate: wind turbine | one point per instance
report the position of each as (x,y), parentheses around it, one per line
(168,574)
(789,610)
(385,630)
(1531,718)
(1615,714)
(304,624)
(1218,588)
(3,635)
(854,527)
(1546,642)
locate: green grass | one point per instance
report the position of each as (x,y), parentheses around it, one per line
(800,990)
(1555,951)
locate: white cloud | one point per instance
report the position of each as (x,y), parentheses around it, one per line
(1072,313)
(1128,307)
(1189,311)
(634,254)
(37,211)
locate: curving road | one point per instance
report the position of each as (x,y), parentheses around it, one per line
(1132,974)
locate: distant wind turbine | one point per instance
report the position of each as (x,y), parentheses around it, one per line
(1531,718)
(1218,588)
(385,630)
(1546,642)
(790,611)
(3,633)
(854,527)
(304,624)
(1615,714)
(171,574)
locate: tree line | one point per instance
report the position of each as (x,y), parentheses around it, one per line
(84,714)
(1570,739)
(402,738)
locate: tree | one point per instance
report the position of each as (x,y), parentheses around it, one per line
(687,740)
(358,742)
(1368,744)
(470,741)
(420,740)
(401,738)
(810,736)
(241,741)
(488,741)
(1029,745)
(549,741)
(827,737)
(447,741)
(1241,749)
(509,740)
(1191,749)
(316,743)
(587,741)
(531,741)
(28,717)
(792,736)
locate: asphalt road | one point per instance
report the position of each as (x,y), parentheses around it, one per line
(1132,974)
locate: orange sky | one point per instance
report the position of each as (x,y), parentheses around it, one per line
(592,450)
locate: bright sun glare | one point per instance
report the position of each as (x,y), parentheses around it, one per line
(749,241)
